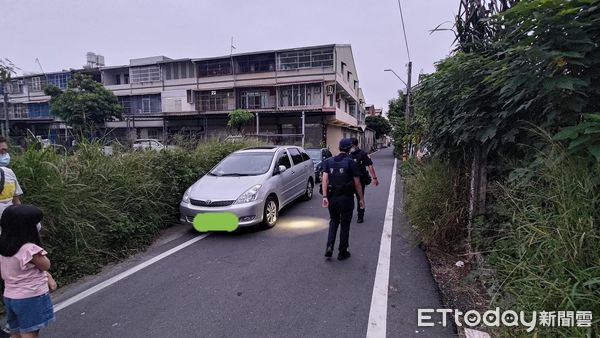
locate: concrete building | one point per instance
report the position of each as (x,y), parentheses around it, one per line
(372,111)
(308,95)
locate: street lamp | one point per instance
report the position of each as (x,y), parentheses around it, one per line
(399,78)
(407,111)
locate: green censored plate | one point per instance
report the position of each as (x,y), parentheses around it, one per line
(217,221)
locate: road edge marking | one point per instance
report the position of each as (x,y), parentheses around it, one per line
(125,274)
(377,326)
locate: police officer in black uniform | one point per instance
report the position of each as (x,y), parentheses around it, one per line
(341,178)
(365,165)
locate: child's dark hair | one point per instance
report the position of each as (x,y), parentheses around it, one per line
(19,226)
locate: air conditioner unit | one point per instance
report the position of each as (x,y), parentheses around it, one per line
(330,90)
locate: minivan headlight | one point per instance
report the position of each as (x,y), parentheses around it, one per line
(186,196)
(249,196)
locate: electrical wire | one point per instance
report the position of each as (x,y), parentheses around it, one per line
(404,30)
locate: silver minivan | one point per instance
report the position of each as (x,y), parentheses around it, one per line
(253,183)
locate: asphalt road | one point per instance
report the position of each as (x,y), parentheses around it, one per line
(263,283)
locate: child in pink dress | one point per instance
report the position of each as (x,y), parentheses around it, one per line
(24,269)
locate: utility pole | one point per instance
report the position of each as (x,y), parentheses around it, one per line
(407,112)
(408,92)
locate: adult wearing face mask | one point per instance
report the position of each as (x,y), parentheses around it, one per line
(365,166)
(10,190)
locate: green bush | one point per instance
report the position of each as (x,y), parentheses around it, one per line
(547,251)
(98,209)
(435,202)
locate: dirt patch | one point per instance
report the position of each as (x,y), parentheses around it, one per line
(458,285)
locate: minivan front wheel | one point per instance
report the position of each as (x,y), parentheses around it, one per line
(271,212)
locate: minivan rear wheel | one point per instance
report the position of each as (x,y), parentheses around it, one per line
(308,193)
(271,212)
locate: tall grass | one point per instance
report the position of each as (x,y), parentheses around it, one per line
(436,201)
(547,252)
(100,208)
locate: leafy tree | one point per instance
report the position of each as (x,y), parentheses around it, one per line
(396,108)
(379,124)
(85,104)
(239,118)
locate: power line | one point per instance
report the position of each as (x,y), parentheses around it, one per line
(404,30)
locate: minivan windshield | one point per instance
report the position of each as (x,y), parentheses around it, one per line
(315,154)
(243,164)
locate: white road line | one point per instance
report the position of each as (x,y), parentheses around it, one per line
(378,313)
(125,274)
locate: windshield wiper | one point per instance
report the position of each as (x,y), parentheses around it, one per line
(235,174)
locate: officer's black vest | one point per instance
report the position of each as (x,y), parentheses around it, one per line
(359,158)
(341,181)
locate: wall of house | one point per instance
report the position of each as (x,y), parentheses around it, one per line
(176,101)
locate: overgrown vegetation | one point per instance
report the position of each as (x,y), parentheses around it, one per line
(436,207)
(546,239)
(533,208)
(99,209)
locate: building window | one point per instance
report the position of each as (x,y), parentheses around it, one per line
(140,104)
(38,110)
(16,110)
(146,108)
(300,95)
(254,99)
(145,74)
(125,102)
(126,78)
(215,100)
(308,58)
(214,68)
(59,80)
(155,133)
(254,63)
(343,67)
(118,79)
(178,70)
(14,87)
(348,76)
(35,84)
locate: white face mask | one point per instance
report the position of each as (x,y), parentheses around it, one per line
(4,160)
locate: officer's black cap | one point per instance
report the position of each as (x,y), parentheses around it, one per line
(345,144)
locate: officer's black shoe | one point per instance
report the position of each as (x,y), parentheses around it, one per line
(344,255)
(360,220)
(329,252)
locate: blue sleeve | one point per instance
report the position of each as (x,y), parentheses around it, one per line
(367,159)
(354,169)
(325,166)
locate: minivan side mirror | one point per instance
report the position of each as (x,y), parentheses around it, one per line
(282,168)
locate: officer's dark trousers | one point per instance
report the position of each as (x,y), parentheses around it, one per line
(340,214)
(361,212)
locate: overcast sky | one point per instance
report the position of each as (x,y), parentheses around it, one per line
(60,32)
